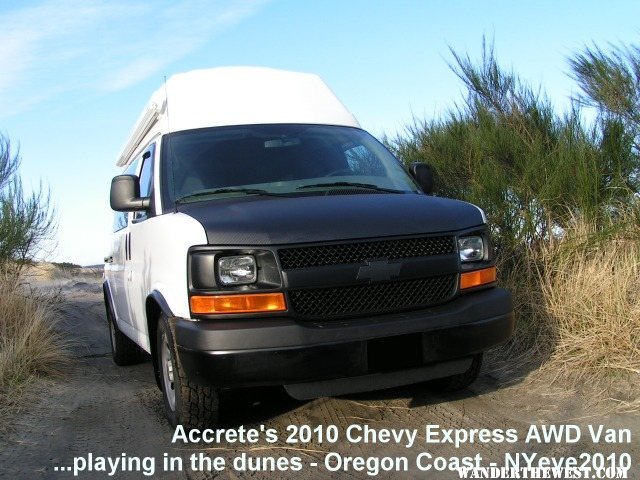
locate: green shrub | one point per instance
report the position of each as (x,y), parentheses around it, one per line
(562,195)
(506,149)
(27,221)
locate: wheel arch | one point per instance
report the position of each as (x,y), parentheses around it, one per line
(106,292)
(155,304)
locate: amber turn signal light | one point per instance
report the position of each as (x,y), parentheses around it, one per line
(477,278)
(248,303)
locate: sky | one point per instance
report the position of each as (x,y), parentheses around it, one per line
(75,74)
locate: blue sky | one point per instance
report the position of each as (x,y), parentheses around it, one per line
(75,74)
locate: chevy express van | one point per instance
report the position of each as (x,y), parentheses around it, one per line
(261,237)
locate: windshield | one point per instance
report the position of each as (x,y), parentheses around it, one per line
(278,160)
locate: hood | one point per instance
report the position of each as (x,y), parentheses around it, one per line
(256,220)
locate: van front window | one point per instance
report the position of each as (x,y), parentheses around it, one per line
(286,160)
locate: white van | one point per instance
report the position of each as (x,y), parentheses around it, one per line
(261,237)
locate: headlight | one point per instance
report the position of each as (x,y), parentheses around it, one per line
(471,249)
(239,270)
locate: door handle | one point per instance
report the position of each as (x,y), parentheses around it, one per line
(108,259)
(127,246)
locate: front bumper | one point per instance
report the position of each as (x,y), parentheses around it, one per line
(280,350)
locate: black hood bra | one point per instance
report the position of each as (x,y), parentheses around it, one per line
(260,220)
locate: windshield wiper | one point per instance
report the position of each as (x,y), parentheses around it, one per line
(369,186)
(248,191)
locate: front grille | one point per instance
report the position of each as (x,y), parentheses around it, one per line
(372,299)
(334,254)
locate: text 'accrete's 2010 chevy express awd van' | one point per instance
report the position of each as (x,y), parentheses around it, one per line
(263,238)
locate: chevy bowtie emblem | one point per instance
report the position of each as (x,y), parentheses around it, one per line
(379,271)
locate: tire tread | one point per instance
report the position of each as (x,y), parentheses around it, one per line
(197,406)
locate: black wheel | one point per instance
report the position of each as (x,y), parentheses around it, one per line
(123,349)
(185,403)
(461,380)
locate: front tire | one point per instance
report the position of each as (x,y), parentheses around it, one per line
(185,403)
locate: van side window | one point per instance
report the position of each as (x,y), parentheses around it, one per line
(146,175)
(146,179)
(120,219)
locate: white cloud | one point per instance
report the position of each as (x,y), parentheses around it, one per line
(62,45)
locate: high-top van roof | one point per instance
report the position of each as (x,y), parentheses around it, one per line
(236,96)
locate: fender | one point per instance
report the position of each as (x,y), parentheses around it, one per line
(162,303)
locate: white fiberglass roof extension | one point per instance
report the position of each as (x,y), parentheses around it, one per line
(236,96)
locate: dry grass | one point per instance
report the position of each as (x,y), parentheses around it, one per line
(590,288)
(578,307)
(30,346)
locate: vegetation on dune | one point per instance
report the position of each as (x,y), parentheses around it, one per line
(561,194)
(27,222)
(29,343)
(531,168)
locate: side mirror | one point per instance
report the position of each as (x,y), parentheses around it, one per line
(125,194)
(423,174)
